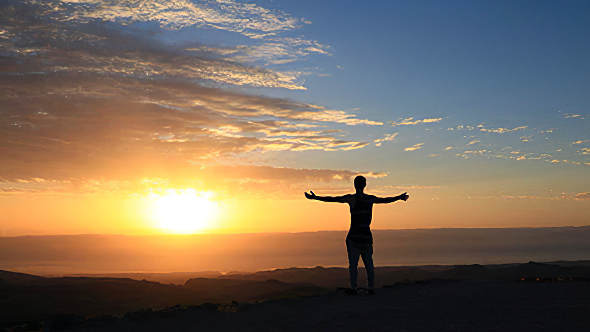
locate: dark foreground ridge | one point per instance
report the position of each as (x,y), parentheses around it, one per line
(508,297)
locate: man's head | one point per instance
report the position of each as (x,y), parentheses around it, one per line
(360,183)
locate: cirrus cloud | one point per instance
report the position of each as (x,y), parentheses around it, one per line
(62,125)
(414,147)
(250,20)
(410,121)
(573,116)
(386,138)
(502,130)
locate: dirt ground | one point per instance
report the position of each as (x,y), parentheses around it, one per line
(429,306)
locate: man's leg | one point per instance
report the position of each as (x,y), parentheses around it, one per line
(353,259)
(367,255)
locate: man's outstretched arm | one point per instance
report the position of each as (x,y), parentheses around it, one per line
(403,197)
(337,199)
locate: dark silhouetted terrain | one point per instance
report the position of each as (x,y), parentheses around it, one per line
(177,278)
(429,306)
(506,297)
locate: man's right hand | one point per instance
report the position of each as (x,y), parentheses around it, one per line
(311,195)
(404,196)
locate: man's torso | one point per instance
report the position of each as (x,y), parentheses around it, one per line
(361,212)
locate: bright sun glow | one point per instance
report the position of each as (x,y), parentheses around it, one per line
(183,211)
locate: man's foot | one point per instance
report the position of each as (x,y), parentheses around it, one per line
(350,291)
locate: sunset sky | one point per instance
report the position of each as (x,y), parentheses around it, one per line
(150,117)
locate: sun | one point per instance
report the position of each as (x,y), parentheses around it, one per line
(183,211)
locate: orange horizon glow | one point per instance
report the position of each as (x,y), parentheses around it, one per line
(193,209)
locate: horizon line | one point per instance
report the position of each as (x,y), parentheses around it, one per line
(277,233)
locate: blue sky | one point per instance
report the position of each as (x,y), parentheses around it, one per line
(501,64)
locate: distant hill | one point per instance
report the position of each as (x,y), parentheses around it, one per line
(177,278)
(27,297)
(388,275)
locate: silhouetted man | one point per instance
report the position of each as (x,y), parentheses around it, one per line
(359,241)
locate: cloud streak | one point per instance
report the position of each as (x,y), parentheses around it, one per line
(481,127)
(73,37)
(502,130)
(386,138)
(414,147)
(411,122)
(59,126)
(573,116)
(87,93)
(223,179)
(262,26)
(247,19)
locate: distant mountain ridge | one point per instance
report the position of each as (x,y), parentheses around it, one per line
(28,297)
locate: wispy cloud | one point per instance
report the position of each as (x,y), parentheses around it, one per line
(236,179)
(375,175)
(279,50)
(555,197)
(251,20)
(582,141)
(481,127)
(410,121)
(386,138)
(467,154)
(518,155)
(261,25)
(74,37)
(571,162)
(534,197)
(320,113)
(87,93)
(502,130)
(113,124)
(525,139)
(462,127)
(475,141)
(414,147)
(55,46)
(573,116)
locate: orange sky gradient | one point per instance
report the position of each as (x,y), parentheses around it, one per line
(158,117)
(133,213)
